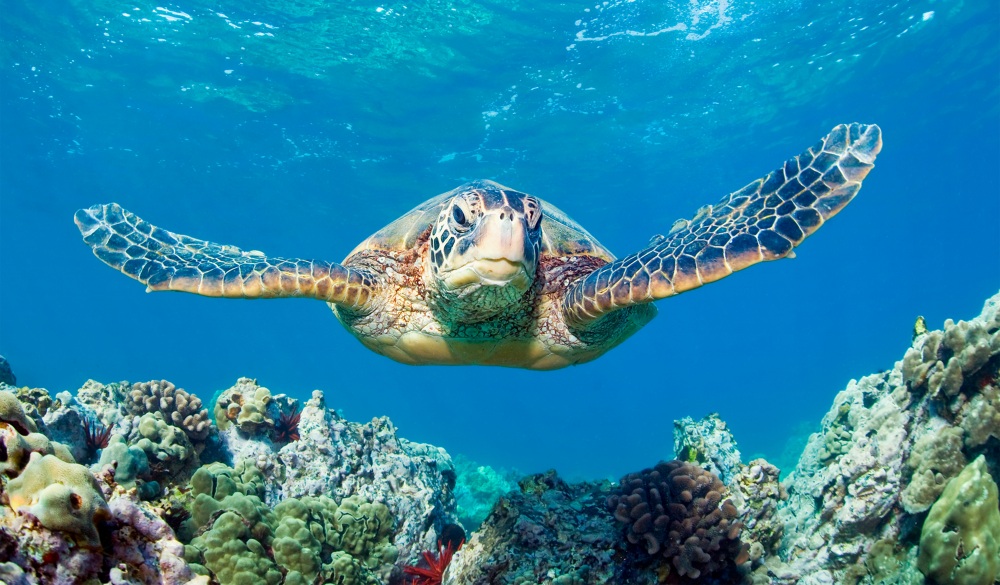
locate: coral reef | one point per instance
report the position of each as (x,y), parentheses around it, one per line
(340,459)
(292,493)
(231,528)
(936,457)
(905,441)
(363,507)
(12,414)
(757,493)
(852,511)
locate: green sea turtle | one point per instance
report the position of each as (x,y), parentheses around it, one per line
(484,274)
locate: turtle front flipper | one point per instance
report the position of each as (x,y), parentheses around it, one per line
(762,221)
(164,260)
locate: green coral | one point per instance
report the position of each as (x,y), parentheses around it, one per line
(216,488)
(168,448)
(348,570)
(364,529)
(837,440)
(179,408)
(960,539)
(219,480)
(308,539)
(233,555)
(63,496)
(305,526)
(132,467)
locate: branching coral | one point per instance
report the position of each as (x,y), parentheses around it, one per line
(178,407)
(673,510)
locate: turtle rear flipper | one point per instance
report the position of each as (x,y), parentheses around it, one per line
(763,221)
(163,260)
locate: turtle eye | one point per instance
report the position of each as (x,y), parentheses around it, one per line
(533,212)
(458,215)
(460,220)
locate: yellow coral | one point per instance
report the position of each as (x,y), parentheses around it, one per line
(63,496)
(960,540)
(12,413)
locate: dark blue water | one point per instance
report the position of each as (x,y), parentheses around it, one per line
(299,128)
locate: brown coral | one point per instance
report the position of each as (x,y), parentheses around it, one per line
(941,361)
(675,510)
(179,408)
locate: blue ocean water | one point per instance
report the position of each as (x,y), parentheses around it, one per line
(300,127)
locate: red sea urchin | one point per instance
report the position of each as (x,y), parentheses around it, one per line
(436,564)
(286,429)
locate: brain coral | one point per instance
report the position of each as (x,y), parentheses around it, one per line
(673,510)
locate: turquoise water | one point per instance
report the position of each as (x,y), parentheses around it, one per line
(299,128)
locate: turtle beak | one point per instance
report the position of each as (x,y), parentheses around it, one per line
(504,251)
(503,256)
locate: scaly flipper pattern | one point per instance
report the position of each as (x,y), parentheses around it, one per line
(163,260)
(762,221)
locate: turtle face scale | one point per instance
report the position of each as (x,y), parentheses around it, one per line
(483,250)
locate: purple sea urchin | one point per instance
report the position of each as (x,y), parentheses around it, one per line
(96,434)
(286,429)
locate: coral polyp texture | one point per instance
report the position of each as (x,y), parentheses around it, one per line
(178,407)
(960,540)
(246,406)
(897,486)
(675,511)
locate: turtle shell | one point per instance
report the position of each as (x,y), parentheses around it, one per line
(561,236)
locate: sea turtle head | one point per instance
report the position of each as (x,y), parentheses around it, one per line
(484,248)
